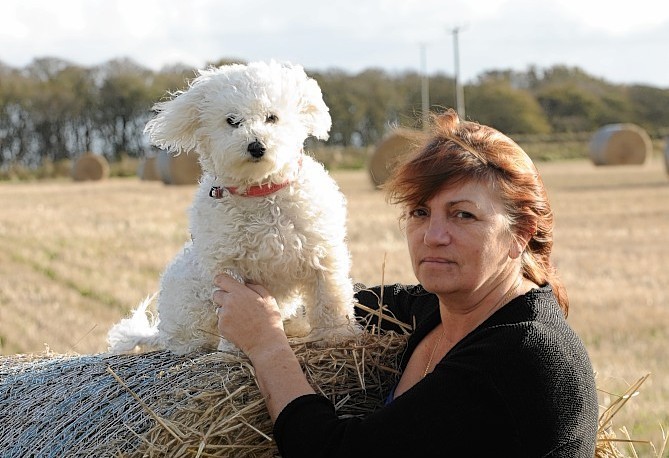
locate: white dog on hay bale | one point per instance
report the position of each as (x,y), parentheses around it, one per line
(264,212)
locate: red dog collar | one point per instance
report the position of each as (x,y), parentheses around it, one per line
(253,191)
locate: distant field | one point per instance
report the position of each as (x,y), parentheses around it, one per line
(76,257)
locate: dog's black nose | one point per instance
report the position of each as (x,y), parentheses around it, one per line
(256,149)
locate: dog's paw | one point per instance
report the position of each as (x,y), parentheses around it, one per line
(334,335)
(296,327)
(226,347)
(234,274)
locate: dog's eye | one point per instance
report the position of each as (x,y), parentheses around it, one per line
(234,122)
(272,119)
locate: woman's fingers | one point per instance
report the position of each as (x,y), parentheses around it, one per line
(259,289)
(226,282)
(248,315)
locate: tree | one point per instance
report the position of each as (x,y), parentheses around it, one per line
(79,126)
(343,106)
(12,116)
(50,106)
(650,107)
(378,102)
(510,110)
(442,91)
(570,107)
(126,97)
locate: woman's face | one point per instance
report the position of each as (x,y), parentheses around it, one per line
(459,241)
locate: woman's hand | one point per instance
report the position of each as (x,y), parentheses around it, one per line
(248,316)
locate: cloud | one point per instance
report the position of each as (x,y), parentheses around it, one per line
(604,39)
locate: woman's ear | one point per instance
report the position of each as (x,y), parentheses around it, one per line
(516,248)
(519,242)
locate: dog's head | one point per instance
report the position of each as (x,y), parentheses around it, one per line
(248,123)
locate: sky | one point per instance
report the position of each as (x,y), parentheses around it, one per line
(620,41)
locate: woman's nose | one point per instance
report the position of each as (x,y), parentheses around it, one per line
(437,233)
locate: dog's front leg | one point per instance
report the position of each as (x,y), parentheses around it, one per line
(185,307)
(329,308)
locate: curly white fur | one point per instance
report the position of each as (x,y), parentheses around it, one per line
(292,241)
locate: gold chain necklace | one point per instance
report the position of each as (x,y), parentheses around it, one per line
(504,299)
(434,349)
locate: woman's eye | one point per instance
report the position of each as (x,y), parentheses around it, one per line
(234,122)
(463,215)
(272,119)
(418,213)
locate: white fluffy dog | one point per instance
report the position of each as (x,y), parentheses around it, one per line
(264,212)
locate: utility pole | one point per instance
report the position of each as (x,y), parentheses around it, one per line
(425,87)
(459,91)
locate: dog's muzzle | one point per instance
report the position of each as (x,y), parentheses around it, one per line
(256,149)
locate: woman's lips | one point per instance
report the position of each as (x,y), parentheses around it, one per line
(436,260)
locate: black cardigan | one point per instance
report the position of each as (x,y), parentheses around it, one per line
(519,385)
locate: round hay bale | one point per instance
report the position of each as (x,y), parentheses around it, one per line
(148,169)
(179,169)
(90,167)
(620,144)
(390,151)
(163,405)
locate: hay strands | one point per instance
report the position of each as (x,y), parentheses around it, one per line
(606,438)
(607,415)
(227,416)
(155,416)
(385,316)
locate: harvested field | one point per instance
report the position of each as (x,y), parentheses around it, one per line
(75,257)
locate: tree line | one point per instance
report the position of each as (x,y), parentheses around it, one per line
(53,109)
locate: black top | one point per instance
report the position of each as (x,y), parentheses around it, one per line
(519,385)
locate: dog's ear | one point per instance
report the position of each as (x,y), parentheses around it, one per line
(176,121)
(315,112)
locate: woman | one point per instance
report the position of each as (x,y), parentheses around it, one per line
(491,368)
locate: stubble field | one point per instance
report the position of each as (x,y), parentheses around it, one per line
(76,257)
